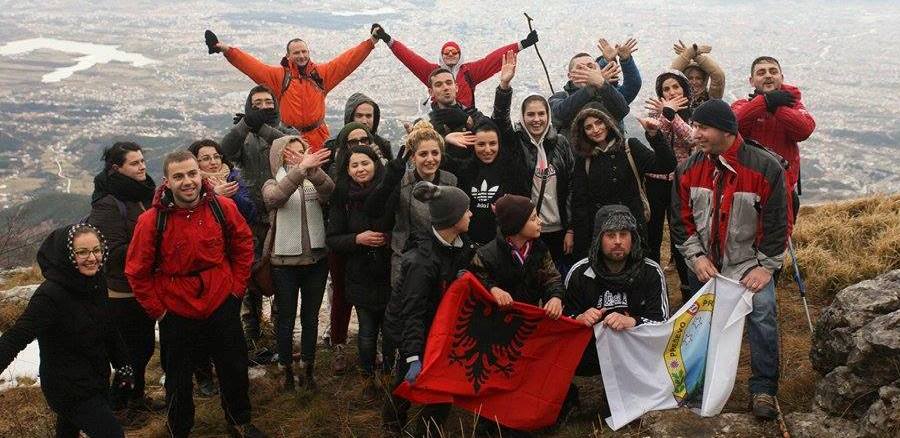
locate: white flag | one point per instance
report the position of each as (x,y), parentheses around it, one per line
(690,360)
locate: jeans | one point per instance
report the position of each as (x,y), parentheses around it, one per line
(762,333)
(307,283)
(370,324)
(188,341)
(139,334)
(92,416)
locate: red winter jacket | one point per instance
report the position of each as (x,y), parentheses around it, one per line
(196,273)
(780,131)
(468,74)
(732,208)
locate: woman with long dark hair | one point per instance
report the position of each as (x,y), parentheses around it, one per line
(363,242)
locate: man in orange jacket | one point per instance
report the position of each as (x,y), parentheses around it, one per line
(300,85)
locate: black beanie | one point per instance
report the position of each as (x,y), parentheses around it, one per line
(446,204)
(717,114)
(512,211)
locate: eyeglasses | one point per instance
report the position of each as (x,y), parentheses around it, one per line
(451,52)
(208,158)
(84,253)
(359,142)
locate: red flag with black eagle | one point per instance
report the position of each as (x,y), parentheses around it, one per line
(511,365)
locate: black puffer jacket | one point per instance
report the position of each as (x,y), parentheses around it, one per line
(427,269)
(68,316)
(534,282)
(115,206)
(368,269)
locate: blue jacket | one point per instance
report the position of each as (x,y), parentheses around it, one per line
(242,198)
(631,78)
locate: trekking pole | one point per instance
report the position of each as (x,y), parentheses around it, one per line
(541,58)
(800,283)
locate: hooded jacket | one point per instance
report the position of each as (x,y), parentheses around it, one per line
(607,177)
(277,192)
(532,282)
(303,103)
(779,131)
(68,315)
(676,131)
(117,225)
(467,74)
(732,208)
(336,144)
(196,270)
(566,104)
(639,290)
(249,151)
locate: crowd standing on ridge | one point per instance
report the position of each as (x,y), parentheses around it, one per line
(563,209)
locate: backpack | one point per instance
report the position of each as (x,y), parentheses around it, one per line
(314,75)
(162,216)
(123,211)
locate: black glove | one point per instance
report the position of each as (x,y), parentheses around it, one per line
(530,40)
(453,118)
(777,98)
(668,113)
(124,378)
(380,33)
(211,41)
(256,118)
(397,167)
(237,118)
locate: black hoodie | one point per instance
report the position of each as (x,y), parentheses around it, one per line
(68,316)
(355,100)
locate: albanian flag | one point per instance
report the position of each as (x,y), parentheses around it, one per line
(509,365)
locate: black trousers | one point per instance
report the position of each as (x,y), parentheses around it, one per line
(188,341)
(396,408)
(93,416)
(554,242)
(137,330)
(659,194)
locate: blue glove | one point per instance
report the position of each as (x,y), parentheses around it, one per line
(415,368)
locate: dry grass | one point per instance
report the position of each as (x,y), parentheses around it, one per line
(838,245)
(21,277)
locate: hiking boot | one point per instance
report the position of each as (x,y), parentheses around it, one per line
(764,407)
(339,360)
(245,431)
(309,381)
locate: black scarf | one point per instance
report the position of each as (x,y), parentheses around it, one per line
(124,188)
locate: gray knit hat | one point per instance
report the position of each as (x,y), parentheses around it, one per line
(446,204)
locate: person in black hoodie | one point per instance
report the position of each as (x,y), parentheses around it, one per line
(610,169)
(432,262)
(247,145)
(69,317)
(614,285)
(122,191)
(364,244)
(494,165)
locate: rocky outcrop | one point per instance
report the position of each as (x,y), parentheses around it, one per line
(856,347)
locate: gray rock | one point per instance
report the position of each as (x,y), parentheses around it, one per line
(876,352)
(883,416)
(818,424)
(843,393)
(684,423)
(19,293)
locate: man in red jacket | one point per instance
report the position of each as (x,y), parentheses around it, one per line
(188,265)
(467,74)
(775,117)
(300,85)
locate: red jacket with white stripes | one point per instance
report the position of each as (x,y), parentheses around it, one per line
(732,208)
(779,131)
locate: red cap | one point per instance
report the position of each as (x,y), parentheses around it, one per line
(450,44)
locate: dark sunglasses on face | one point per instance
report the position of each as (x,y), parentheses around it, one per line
(358,142)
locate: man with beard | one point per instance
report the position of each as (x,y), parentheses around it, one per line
(122,191)
(361,109)
(775,117)
(614,285)
(188,265)
(247,146)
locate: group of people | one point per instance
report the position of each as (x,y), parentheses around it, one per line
(563,210)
